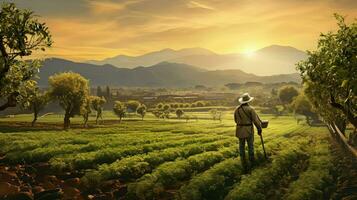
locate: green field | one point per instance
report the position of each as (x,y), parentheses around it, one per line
(175,159)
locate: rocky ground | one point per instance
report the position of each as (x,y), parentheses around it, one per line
(39,182)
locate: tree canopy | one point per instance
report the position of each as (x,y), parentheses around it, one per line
(141,110)
(20,35)
(97,104)
(132,105)
(287,94)
(301,105)
(35,101)
(330,73)
(119,109)
(71,91)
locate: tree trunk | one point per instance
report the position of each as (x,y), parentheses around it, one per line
(350,116)
(341,124)
(85,121)
(67,121)
(34,119)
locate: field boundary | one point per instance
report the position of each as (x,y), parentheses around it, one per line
(336,132)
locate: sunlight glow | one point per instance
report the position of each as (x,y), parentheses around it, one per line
(249,53)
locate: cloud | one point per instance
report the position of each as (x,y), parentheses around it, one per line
(195,4)
(95,29)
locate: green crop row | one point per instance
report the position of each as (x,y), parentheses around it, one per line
(256,185)
(135,166)
(315,179)
(210,184)
(94,141)
(111,154)
(169,173)
(213,183)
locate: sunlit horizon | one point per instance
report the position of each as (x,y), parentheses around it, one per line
(95,30)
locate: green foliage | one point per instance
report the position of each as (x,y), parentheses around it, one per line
(21,35)
(35,101)
(70,90)
(179,113)
(132,106)
(136,166)
(169,173)
(312,183)
(86,110)
(159,106)
(141,110)
(211,183)
(330,76)
(97,104)
(256,186)
(301,105)
(287,94)
(197,160)
(166,107)
(119,109)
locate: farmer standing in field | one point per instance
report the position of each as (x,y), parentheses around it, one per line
(245,116)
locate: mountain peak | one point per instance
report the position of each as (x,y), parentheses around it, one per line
(278,49)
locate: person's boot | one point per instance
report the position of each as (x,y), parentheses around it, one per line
(245,166)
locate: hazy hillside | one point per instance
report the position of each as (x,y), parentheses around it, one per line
(164,74)
(152,58)
(270,60)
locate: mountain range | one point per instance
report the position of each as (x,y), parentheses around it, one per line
(163,74)
(271,60)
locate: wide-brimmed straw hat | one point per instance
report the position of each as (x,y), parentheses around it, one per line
(245,98)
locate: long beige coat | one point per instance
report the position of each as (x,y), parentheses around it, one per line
(243,129)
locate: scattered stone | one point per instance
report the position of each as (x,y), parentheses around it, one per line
(27,179)
(20,196)
(73,182)
(37,189)
(49,194)
(10,177)
(8,189)
(71,193)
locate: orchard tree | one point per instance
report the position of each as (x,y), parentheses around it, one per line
(20,35)
(287,94)
(166,107)
(35,101)
(71,91)
(86,110)
(119,109)
(141,111)
(330,74)
(97,104)
(132,106)
(159,106)
(301,105)
(179,113)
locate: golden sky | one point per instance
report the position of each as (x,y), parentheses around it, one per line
(97,29)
